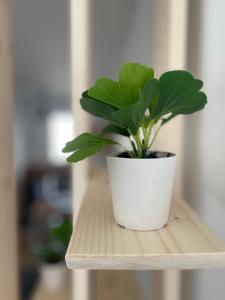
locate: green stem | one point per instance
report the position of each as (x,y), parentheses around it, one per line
(134,148)
(138,143)
(145,132)
(149,131)
(156,133)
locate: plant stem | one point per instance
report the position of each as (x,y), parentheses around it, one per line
(156,133)
(134,147)
(149,131)
(140,146)
(138,143)
(145,132)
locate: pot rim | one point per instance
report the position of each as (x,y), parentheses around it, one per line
(114,155)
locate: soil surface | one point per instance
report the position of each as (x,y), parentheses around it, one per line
(151,154)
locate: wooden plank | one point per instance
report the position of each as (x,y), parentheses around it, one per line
(80,69)
(81,285)
(167,285)
(8,244)
(99,243)
(170,53)
(80,64)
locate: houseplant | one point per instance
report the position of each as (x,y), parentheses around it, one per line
(51,249)
(137,106)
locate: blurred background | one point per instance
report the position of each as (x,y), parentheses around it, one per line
(43,122)
(118,31)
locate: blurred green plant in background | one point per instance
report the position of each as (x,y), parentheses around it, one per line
(52,249)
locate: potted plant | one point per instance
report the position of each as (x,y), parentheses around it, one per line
(137,105)
(51,251)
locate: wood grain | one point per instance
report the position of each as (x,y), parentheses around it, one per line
(170,29)
(80,70)
(8,228)
(80,81)
(99,243)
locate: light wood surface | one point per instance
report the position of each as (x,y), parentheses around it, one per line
(80,69)
(170,53)
(8,239)
(42,293)
(116,285)
(167,285)
(99,243)
(80,64)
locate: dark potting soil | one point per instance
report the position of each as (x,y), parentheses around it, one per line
(151,154)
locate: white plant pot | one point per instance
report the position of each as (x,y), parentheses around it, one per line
(141,190)
(53,276)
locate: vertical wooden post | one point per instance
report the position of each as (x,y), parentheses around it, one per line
(8,237)
(170,53)
(80,64)
(80,68)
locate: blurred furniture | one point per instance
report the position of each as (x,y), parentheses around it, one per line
(45,210)
(44,189)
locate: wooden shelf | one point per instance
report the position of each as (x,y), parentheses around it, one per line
(99,243)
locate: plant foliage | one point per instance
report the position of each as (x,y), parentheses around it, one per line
(136,106)
(57,232)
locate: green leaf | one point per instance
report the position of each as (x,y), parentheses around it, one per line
(132,78)
(131,116)
(111,128)
(85,145)
(179,94)
(96,107)
(86,140)
(84,153)
(108,91)
(189,103)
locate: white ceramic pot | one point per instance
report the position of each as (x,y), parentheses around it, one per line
(141,190)
(53,276)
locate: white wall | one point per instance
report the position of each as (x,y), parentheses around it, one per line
(41,43)
(42,73)
(120,31)
(204,138)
